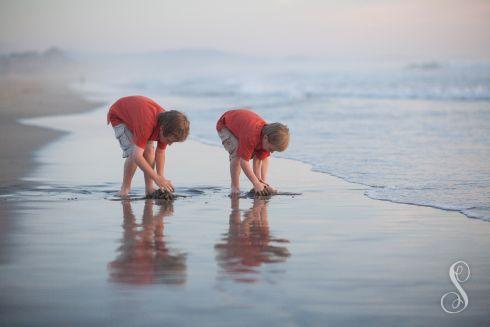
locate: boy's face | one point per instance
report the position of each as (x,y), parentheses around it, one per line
(169,139)
(267,146)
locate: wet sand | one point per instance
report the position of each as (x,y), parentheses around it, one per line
(27,97)
(328,256)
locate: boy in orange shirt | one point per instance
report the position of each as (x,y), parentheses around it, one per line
(137,122)
(245,135)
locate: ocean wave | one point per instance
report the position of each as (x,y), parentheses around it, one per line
(482,213)
(441,84)
(407,195)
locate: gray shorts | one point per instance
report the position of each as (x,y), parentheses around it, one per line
(229,141)
(125,138)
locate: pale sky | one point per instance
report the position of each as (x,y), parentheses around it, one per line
(421,29)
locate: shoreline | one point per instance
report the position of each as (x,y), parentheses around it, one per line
(24,97)
(33,137)
(365,187)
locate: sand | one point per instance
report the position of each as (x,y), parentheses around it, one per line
(26,97)
(69,256)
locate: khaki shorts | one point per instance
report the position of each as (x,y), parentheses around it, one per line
(125,138)
(229,141)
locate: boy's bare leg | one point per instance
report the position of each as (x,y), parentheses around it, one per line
(149,155)
(235,170)
(129,170)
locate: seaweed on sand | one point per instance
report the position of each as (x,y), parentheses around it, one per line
(161,195)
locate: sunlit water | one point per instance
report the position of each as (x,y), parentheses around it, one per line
(413,133)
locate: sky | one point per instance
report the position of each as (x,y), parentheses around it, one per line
(406,29)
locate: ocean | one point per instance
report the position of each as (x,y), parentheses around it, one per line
(415,133)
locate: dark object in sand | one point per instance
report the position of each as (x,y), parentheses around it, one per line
(161,195)
(157,195)
(267,194)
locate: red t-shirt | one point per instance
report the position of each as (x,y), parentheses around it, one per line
(140,115)
(247,127)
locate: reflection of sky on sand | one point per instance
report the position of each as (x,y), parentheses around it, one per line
(144,257)
(80,157)
(248,244)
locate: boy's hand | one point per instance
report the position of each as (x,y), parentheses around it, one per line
(270,189)
(164,183)
(260,189)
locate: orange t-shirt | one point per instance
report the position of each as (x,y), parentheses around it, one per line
(247,127)
(140,115)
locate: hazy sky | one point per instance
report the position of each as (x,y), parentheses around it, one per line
(423,29)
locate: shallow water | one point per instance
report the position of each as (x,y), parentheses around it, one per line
(71,256)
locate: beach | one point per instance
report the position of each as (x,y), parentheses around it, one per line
(27,96)
(71,254)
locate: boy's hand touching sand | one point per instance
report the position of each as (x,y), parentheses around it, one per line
(270,189)
(164,183)
(260,188)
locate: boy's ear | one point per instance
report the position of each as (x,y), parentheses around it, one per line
(160,131)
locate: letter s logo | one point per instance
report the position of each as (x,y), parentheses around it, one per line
(459,272)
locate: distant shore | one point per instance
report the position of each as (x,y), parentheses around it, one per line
(24,96)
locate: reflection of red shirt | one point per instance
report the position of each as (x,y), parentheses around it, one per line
(247,127)
(140,115)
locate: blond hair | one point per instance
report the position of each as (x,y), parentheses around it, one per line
(277,135)
(174,123)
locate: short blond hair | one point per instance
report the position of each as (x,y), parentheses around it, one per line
(174,123)
(277,135)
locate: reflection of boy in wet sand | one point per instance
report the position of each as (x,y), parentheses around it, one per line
(144,257)
(137,122)
(247,243)
(245,135)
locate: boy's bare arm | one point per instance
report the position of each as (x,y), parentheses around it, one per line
(258,186)
(257,164)
(145,167)
(264,169)
(160,161)
(265,173)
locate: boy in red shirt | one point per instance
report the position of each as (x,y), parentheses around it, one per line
(245,135)
(137,122)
